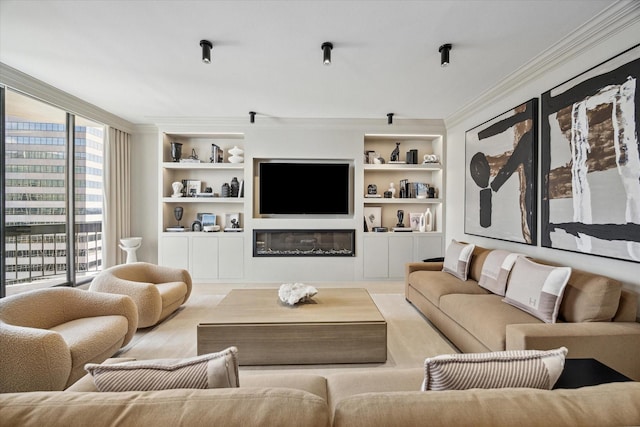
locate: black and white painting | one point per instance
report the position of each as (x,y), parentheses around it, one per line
(591,161)
(501,176)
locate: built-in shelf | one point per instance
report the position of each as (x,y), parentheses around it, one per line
(403,167)
(411,201)
(203,199)
(190,166)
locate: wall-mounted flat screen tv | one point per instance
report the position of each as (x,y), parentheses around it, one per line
(304,188)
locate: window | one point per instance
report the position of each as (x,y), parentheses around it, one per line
(41,248)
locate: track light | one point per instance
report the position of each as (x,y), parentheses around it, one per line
(326,52)
(390,118)
(252,116)
(206,51)
(444,54)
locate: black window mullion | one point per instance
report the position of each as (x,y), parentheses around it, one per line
(71,220)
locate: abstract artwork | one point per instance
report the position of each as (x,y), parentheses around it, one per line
(591,161)
(501,176)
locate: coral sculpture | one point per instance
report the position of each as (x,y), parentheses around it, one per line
(294,293)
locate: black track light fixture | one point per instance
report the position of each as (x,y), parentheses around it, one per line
(252,116)
(444,54)
(206,51)
(327,47)
(390,118)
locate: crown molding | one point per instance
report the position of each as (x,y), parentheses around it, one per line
(603,26)
(38,89)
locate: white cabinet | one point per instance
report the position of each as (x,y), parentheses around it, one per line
(174,251)
(385,254)
(209,257)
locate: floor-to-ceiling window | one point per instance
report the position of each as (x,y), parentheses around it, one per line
(52,222)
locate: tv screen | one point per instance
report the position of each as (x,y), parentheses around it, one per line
(304,188)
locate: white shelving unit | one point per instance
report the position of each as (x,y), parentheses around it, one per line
(207,255)
(385,253)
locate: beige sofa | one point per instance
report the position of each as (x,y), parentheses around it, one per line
(157,290)
(48,335)
(597,316)
(386,397)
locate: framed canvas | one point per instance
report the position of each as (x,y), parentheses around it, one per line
(372,217)
(501,176)
(232,222)
(193,187)
(591,161)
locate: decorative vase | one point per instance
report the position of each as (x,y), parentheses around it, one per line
(176,151)
(428,220)
(423,226)
(225,190)
(236,155)
(235,187)
(177,189)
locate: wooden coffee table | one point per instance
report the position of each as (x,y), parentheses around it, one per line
(340,325)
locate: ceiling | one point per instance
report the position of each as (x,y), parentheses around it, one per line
(141,60)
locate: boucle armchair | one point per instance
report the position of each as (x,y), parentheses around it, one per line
(48,335)
(157,291)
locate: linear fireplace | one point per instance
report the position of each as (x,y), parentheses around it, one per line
(295,243)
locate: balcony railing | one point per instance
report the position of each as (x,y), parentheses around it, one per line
(35,253)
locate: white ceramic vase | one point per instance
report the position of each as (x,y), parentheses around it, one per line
(236,155)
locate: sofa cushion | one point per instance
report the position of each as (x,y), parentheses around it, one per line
(457,259)
(214,370)
(589,297)
(495,271)
(172,292)
(485,317)
(515,368)
(434,284)
(537,288)
(91,336)
(230,407)
(477,262)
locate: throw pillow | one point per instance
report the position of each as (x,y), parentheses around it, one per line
(213,370)
(515,368)
(457,259)
(537,289)
(495,271)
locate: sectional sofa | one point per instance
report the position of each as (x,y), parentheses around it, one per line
(596,318)
(387,397)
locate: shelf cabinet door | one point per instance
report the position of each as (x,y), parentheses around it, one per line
(376,257)
(231,257)
(174,252)
(427,247)
(400,253)
(204,262)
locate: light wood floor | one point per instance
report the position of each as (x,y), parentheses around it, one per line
(410,337)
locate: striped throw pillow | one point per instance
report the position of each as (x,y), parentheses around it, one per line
(213,370)
(515,368)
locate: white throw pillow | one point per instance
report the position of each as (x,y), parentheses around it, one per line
(496,269)
(213,370)
(458,258)
(515,368)
(537,289)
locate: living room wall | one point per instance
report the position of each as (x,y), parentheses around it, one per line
(571,62)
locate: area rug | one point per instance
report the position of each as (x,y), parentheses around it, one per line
(410,337)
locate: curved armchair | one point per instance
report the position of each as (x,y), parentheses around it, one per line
(48,335)
(157,291)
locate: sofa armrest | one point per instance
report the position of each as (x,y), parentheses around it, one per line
(419,266)
(32,359)
(81,304)
(163,274)
(145,295)
(615,344)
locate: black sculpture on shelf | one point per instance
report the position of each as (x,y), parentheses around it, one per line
(400,218)
(395,154)
(176,151)
(177,212)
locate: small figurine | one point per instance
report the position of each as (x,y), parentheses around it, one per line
(395,154)
(392,190)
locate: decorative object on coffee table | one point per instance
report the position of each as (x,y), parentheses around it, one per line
(295,293)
